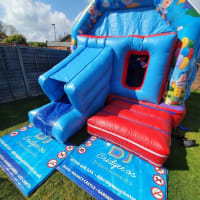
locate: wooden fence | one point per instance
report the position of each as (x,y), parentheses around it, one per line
(20,68)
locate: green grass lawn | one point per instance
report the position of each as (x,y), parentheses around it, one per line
(183,164)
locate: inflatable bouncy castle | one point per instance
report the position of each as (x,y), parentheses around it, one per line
(130,72)
(128,77)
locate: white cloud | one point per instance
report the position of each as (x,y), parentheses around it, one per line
(34,19)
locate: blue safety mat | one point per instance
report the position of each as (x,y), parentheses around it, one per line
(106,171)
(29,157)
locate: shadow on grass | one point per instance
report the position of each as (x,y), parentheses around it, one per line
(3,180)
(177,159)
(16,112)
(79,137)
(192,120)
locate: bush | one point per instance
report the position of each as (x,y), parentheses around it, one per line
(37,44)
(15,38)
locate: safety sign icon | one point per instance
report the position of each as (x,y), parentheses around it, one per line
(52,163)
(159,180)
(157,193)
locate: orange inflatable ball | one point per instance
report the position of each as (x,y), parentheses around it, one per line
(185,42)
(184,63)
(180,1)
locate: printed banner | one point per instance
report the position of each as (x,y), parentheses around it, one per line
(108,172)
(29,157)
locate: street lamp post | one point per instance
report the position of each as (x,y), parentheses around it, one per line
(54,26)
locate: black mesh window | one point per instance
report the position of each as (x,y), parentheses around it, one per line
(136,67)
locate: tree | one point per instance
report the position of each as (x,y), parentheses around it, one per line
(37,44)
(7,29)
(15,38)
(1,26)
(2,34)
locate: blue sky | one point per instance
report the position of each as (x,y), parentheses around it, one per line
(33,18)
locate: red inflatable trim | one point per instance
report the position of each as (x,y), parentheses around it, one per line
(138,36)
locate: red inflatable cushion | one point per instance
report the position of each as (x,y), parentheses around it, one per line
(138,128)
